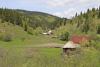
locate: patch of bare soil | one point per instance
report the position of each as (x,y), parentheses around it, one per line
(50,45)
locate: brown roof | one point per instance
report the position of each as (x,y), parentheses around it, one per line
(78,39)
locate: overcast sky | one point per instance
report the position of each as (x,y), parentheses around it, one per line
(62,8)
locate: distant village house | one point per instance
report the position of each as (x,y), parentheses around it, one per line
(48,33)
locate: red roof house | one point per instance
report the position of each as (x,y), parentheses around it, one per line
(79,39)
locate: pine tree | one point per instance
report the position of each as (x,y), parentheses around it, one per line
(98,29)
(99,12)
(76,15)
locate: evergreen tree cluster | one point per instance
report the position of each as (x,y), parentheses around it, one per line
(29,19)
(87,22)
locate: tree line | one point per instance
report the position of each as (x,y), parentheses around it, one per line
(27,20)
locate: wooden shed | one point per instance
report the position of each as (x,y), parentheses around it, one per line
(74,43)
(70,46)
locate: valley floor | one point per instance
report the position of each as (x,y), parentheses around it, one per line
(43,52)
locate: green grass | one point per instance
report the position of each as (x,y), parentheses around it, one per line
(47,57)
(30,41)
(22,52)
(21,38)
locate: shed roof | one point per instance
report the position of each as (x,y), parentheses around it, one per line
(78,39)
(70,44)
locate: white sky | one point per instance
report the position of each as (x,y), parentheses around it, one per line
(61,8)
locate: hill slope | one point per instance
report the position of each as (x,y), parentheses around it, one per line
(85,23)
(32,19)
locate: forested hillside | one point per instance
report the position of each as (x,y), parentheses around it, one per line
(37,22)
(30,19)
(24,23)
(87,23)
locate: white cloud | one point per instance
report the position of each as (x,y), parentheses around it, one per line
(26,1)
(67,13)
(57,3)
(68,8)
(60,14)
(63,3)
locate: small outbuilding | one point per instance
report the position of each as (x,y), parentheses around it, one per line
(48,33)
(70,46)
(74,43)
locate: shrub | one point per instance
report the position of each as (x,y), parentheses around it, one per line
(30,30)
(86,43)
(38,31)
(64,37)
(6,37)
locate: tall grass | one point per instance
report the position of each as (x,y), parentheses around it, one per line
(47,57)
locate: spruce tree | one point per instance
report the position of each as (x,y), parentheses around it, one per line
(99,12)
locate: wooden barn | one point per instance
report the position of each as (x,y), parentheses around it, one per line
(74,43)
(70,46)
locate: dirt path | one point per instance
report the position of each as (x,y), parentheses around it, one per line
(50,45)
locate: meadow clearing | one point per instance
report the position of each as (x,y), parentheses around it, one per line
(23,44)
(30,55)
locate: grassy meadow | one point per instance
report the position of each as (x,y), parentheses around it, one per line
(22,43)
(47,57)
(36,52)
(26,50)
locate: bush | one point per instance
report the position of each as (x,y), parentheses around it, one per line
(30,30)
(6,37)
(86,43)
(95,44)
(38,31)
(64,37)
